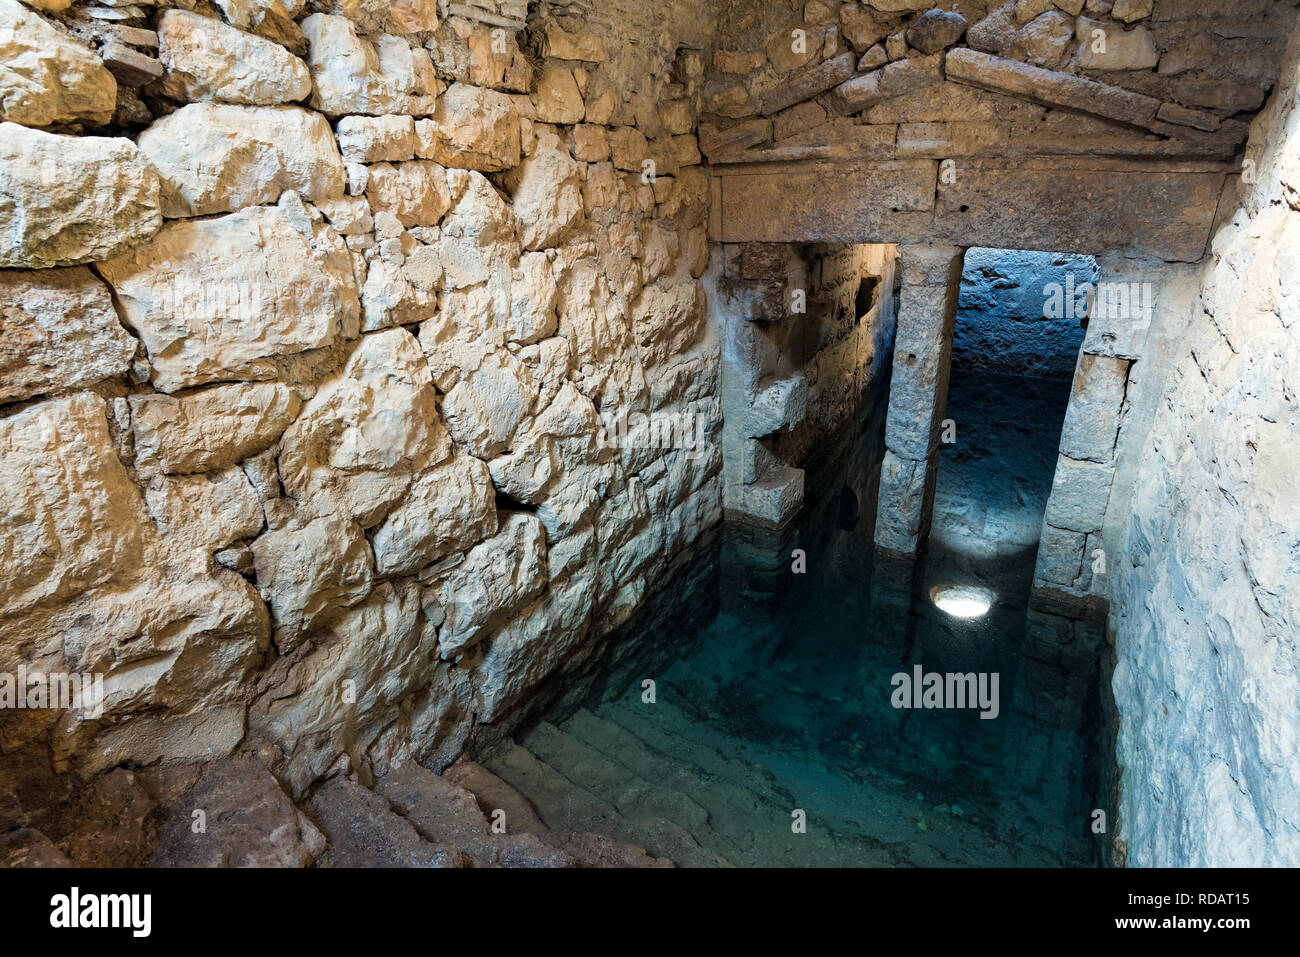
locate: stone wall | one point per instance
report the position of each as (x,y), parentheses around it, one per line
(1097,125)
(805,332)
(1204,612)
(315,321)
(1007,317)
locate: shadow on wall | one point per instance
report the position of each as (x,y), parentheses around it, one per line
(1015,314)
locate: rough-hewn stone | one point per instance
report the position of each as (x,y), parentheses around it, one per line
(205,59)
(46,77)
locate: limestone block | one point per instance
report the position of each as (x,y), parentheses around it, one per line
(900,503)
(499,576)
(204,59)
(775,498)
(485,407)
(246,14)
(1055,89)
(547,192)
(1130,11)
(212,428)
(997,32)
(1045,39)
(1060,556)
(556,99)
(666,319)
(862,26)
(58,330)
(730,61)
(354,75)
(218,157)
(368,429)
(376,139)
(539,640)
(479,235)
(533,295)
(1093,416)
(214,299)
(307,571)
(399,295)
(1080,493)
(809,83)
(448,508)
(72,519)
(72,199)
(471,128)
(48,77)
(781,404)
(563,45)
(1108,46)
(384,648)
(415,192)
(205,511)
(936,30)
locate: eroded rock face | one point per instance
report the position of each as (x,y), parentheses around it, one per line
(216,299)
(206,60)
(353,75)
(58,330)
(72,199)
(72,515)
(547,192)
(212,428)
(471,128)
(46,76)
(215,157)
(367,431)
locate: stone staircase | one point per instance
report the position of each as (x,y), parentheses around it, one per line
(657,777)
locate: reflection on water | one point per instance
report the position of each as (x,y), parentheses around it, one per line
(791,679)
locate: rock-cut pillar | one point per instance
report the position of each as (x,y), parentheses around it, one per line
(918,393)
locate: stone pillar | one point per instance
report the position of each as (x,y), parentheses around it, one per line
(918,393)
(1071,544)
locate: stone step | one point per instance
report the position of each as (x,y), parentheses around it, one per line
(363,830)
(445,813)
(565,806)
(612,780)
(878,818)
(588,849)
(745,826)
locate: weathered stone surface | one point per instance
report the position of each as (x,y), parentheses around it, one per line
(375,139)
(72,518)
(1092,419)
(808,84)
(861,26)
(1045,39)
(58,330)
(368,429)
(205,59)
(205,511)
(46,76)
(353,75)
(213,428)
(448,508)
(498,577)
(557,99)
(307,572)
(67,200)
(471,128)
(415,192)
(364,831)
(1056,89)
(547,193)
(936,30)
(1080,492)
(251,822)
(563,45)
(217,157)
(485,407)
(339,696)
(1108,46)
(997,32)
(189,296)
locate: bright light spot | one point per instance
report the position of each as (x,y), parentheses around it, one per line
(962,601)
